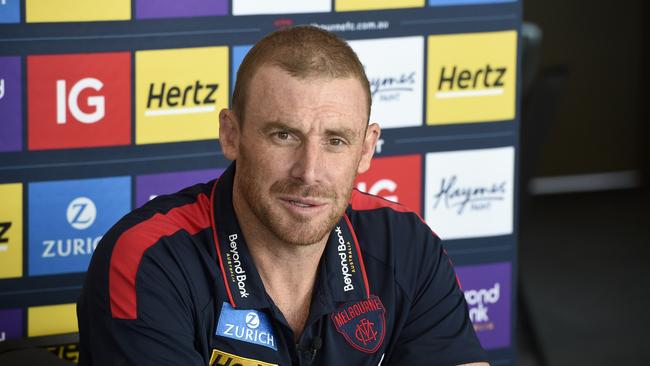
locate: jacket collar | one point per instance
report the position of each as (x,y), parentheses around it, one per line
(341,276)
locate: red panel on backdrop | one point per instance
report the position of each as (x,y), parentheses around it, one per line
(81,100)
(396,178)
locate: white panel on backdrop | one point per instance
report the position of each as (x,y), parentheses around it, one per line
(469,193)
(395,70)
(249,7)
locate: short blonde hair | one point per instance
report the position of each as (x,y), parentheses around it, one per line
(303,52)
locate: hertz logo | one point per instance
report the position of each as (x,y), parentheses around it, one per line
(179,93)
(458,83)
(471,77)
(193,98)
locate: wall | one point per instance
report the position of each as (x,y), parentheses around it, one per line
(599,124)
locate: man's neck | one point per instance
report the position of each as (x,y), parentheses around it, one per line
(288,271)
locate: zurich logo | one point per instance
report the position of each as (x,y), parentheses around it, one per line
(250,326)
(81,213)
(252,320)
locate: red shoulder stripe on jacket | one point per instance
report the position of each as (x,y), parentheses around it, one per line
(361,201)
(131,245)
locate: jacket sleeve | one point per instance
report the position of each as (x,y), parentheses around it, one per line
(438,330)
(163,330)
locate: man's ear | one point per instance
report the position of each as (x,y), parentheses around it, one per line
(372,135)
(229,133)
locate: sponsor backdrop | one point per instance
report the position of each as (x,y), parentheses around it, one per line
(105,105)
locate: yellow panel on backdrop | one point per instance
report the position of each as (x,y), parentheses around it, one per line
(51,319)
(179,93)
(354,5)
(11,230)
(471,77)
(37,11)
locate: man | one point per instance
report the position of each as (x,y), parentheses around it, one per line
(279,262)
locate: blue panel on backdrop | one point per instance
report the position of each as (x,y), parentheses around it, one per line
(68,218)
(10,11)
(238,54)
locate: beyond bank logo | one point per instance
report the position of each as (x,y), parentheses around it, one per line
(395,178)
(68,218)
(470,193)
(79,100)
(487,292)
(11,230)
(471,77)
(179,93)
(394,67)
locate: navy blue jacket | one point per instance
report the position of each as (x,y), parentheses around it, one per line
(173,283)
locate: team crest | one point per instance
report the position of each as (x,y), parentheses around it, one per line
(362,323)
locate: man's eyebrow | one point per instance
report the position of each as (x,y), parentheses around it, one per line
(345,132)
(277,125)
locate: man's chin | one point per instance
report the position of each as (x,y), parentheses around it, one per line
(302,234)
(302,237)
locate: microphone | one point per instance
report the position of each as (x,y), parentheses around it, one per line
(316,344)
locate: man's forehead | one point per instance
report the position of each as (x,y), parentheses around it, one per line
(275,95)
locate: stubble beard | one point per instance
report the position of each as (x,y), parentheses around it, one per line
(294,230)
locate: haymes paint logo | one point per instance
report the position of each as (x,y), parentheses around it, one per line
(487,292)
(394,67)
(68,218)
(453,195)
(469,193)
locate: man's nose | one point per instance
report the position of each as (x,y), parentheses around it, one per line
(307,162)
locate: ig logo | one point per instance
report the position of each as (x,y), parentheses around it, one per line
(380,186)
(73,101)
(252,320)
(81,213)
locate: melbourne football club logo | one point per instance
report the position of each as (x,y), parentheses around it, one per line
(362,323)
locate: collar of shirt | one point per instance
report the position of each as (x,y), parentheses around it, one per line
(341,276)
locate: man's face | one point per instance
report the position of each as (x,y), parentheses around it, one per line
(302,143)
